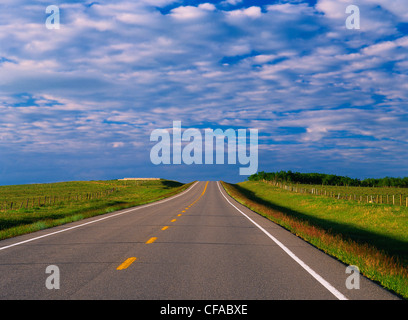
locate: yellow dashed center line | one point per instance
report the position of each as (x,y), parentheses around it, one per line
(129,261)
(126,263)
(151,240)
(205,188)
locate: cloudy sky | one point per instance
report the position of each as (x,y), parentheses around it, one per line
(80,102)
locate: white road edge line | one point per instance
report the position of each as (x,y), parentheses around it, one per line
(100,219)
(327,285)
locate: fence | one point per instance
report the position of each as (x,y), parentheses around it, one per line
(391,199)
(36,202)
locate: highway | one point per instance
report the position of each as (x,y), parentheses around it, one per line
(197,245)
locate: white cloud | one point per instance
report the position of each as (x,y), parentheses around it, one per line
(191,12)
(231,2)
(207,6)
(333,8)
(118,144)
(252,12)
(288,8)
(397,7)
(263,58)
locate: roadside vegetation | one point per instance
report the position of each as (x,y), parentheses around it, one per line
(383,191)
(32,207)
(328,179)
(372,236)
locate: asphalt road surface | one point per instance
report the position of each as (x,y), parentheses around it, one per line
(200,244)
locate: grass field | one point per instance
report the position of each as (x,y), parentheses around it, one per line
(373,237)
(380,195)
(40,206)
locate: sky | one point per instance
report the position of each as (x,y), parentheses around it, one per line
(80,102)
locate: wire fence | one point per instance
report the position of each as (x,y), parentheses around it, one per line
(390,199)
(50,200)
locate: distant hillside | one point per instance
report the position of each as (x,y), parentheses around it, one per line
(328,179)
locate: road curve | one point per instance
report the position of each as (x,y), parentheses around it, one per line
(200,244)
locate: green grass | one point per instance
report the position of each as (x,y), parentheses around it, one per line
(381,195)
(72,201)
(372,236)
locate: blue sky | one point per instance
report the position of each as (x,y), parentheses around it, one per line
(80,102)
